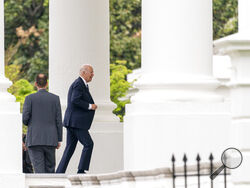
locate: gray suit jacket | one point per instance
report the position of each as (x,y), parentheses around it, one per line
(42,114)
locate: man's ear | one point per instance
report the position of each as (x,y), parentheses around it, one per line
(35,84)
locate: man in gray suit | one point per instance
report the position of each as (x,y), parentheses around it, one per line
(42,115)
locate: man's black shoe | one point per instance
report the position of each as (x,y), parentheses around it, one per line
(81,172)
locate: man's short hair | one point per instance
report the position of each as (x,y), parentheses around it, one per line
(41,80)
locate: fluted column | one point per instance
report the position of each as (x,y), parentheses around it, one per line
(11,126)
(176,109)
(79,34)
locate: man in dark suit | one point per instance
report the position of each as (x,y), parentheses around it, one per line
(42,115)
(78,119)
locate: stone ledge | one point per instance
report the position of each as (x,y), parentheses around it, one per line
(47,181)
(132,176)
(64,180)
(46,175)
(46,186)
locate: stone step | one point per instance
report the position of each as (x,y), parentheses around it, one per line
(47,181)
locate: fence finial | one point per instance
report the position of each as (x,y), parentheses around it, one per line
(211,157)
(173,158)
(198,157)
(185,158)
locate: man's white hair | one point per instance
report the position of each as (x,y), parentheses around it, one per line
(84,68)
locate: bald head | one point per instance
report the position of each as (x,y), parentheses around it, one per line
(85,68)
(41,80)
(87,72)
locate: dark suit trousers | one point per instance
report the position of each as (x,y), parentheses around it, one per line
(73,135)
(43,158)
(27,166)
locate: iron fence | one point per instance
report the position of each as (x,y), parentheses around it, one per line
(197,173)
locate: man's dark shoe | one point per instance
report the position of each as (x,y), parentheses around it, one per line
(81,171)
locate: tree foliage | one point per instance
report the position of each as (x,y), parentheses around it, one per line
(125,48)
(225,18)
(21,89)
(12,72)
(125,29)
(26,36)
(119,87)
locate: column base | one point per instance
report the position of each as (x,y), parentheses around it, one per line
(107,134)
(107,154)
(104,112)
(153,132)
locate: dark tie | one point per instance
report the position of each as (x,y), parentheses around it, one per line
(87,86)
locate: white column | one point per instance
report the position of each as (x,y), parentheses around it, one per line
(176,109)
(11,127)
(79,34)
(243,15)
(177,27)
(177,49)
(237,46)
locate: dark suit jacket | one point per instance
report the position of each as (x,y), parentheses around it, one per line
(77,114)
(42,115)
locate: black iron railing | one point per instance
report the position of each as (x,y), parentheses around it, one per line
(185,174)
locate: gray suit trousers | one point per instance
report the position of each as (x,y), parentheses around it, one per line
(42,158)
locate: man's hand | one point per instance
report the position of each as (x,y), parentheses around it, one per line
(24,147)
(94,106)
(58,145)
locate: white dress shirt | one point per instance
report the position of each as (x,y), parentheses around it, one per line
(90,105)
